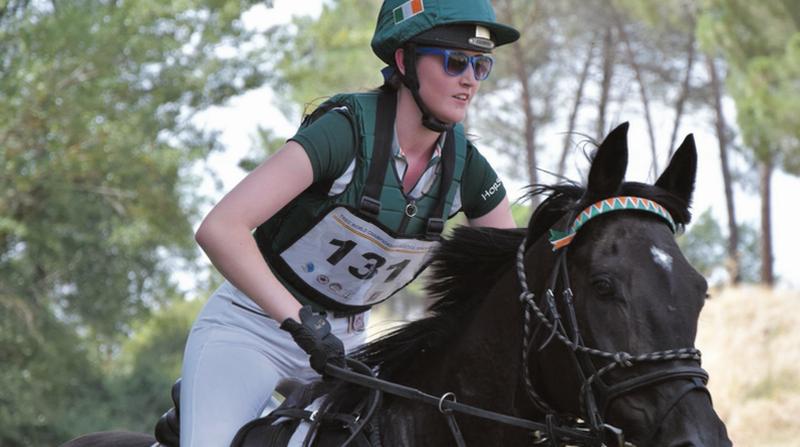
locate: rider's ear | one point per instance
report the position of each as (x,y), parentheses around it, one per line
(399,62)
(609,163)
(678,178)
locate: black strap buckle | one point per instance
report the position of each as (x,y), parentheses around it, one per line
(434,227)
(370,206)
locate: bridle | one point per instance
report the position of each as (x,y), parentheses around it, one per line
(596,393)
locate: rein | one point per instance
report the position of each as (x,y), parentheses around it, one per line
(448,405)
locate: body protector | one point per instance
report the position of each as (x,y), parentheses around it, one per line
(350,251)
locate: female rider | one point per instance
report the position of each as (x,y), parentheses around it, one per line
(345,214)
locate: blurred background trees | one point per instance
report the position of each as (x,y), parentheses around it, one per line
(97,200)
(100,154)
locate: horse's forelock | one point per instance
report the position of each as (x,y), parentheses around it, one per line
(560,200)
(567,199)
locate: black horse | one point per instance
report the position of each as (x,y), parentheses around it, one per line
(598,338)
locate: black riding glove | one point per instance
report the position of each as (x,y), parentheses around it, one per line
(313,334)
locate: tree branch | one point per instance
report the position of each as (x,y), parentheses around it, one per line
(587,63)
(640,80)
(684,93)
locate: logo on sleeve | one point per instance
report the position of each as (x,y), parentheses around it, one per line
(489,192)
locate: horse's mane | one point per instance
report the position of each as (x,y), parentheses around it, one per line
(463,267)
(468,263)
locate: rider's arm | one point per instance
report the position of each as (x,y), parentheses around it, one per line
(320,151)
(483,195)
(499,217)
(225,233)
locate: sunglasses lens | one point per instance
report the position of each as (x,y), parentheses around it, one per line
(482,67)
(456,63)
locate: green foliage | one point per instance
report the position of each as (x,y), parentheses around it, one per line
(46,374)
(704,246)
(265,144)
(140,380)
(96,196)
(96,140)
(328,55)
(521,213)
(768,99)
(750,262)
(56,388)
(660,16)
(761,44)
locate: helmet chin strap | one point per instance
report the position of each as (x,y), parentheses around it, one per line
(411,81)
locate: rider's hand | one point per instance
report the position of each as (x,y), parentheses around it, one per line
(313,334)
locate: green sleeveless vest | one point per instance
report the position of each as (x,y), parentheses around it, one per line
(302,213)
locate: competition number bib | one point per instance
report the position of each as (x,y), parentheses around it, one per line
(354,262)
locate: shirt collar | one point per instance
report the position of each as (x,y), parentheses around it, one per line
(397,151)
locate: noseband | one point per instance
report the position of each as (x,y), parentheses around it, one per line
(596,394)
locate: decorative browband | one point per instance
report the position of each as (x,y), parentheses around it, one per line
(561,239)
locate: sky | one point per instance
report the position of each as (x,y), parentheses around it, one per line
(239,119)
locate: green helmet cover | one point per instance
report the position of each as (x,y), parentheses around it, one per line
(401,20)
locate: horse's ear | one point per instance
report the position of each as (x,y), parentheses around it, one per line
(678,178)
(609,164)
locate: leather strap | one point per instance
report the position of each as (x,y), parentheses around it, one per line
(381,152)
(563,433)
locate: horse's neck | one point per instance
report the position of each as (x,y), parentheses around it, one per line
(481,366)
(487,361)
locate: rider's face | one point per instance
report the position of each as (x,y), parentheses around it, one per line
(447,96)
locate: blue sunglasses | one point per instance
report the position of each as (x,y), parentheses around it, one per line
(456,62)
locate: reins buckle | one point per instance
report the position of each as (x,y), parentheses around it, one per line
(451,396)
(613,436)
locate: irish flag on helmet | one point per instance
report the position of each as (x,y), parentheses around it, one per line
(407,10)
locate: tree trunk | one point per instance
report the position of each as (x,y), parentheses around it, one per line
(684,93)
(605,83)
(523,74)
(733,261)
(644,97)
(530,130)
(765,187)
(587,63)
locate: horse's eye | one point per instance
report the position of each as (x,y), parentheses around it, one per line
(604,287)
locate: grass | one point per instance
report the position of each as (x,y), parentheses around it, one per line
(750,338)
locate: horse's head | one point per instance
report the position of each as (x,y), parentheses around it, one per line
(631,305)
